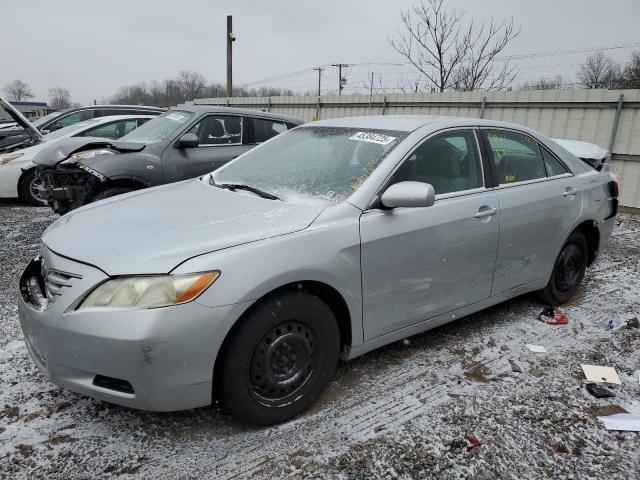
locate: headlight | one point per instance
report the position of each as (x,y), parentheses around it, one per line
(10,158)
(86,155)
(149,291)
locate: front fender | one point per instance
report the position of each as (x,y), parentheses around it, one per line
(328,254)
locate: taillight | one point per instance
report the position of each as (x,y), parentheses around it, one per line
(613,189)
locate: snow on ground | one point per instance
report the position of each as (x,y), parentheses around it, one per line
(401,411)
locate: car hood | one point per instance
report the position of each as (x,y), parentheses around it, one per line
(21,120)
(154,230)
(63,149)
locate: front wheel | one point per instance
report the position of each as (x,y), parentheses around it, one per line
(568,271)
(279,360)
(31,189)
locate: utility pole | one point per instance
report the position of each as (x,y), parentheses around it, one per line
(319,69)
(230,39)
(370,93)
(341,81)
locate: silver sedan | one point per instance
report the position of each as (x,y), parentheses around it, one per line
(247,285)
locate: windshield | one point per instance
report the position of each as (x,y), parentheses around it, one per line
(41,121)
(321,163)
(159,128)
(70,129)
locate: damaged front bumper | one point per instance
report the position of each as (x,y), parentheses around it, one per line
(152,359)
(67,187)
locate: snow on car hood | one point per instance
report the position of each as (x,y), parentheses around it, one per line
(154,230)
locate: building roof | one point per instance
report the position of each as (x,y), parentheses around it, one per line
(27,104)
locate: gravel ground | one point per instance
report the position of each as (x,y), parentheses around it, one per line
(401,411)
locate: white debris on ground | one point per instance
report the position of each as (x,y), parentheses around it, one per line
(402,411)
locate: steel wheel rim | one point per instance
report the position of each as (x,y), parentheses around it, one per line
(282,363)
(569,268)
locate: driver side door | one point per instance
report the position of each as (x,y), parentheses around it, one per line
(422,262)
(221,138)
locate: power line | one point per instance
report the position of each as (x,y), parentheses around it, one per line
(290,75)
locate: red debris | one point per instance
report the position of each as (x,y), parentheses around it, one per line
(473,442)
(553,316)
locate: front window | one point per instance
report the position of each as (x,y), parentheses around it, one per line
(218,130)
(450,162)
(321,163)
(159,128)
(113,130)
(70,129)
(38,123)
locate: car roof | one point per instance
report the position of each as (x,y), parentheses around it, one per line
(96,107)
(94,122)
(409,123)
(200,109)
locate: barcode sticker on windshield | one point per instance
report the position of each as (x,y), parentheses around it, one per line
(373,138)
(175,116)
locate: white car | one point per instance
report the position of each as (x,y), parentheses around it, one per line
(17,171)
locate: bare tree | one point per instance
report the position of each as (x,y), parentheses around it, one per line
(59,98)
(373,85)
(18,90)
(599,71)
(630,77)
(192,84)
(543,83)
(451,54)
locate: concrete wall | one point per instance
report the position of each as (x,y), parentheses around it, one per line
(587,115)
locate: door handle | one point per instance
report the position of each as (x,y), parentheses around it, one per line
(569,191)
(486,213)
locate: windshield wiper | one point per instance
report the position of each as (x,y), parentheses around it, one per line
(240,186)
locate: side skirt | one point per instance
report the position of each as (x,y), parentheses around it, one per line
(417,328)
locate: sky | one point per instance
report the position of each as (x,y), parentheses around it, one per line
(92,48)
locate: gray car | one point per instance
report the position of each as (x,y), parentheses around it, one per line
(177,145)
(247,285)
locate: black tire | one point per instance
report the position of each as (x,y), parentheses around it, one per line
(568,271)
(279,360)
(111,192)
(27,190)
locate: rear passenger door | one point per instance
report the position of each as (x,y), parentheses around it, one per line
(539,203)
(221,139)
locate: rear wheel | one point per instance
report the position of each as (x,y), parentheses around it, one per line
(279,360)
(111,192)
(30,189)
(568,271)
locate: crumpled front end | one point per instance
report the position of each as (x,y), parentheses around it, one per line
(69,186)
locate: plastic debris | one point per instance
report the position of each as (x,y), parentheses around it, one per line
(553,316)
(474,443)
(599,391)
(610,325)
(536,348)
(621,421)
(598,373)
(470,444)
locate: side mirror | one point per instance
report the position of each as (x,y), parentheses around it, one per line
(45,131)
(188,140)
(409,194)
(54,127)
